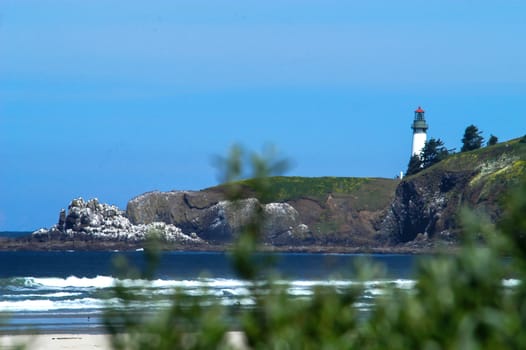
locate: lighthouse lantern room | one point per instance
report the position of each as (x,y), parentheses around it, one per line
(419,132)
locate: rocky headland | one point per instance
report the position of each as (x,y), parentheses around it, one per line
(302,214)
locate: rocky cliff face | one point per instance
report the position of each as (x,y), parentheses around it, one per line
(425,205)
(306,211)
(214,219)
(428,204)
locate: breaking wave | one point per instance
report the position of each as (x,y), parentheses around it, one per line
(30,294)
(45,294)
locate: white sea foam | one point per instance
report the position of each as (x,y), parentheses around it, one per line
(46,295)
(81,293)
(398,283)
(300,291)
(405,283)
(72,281)
(97,282)
(103,282)
(49,305)
(511,282)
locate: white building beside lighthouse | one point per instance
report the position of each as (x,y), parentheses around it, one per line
(419,132)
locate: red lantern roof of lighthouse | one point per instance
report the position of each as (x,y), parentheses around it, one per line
(419,110)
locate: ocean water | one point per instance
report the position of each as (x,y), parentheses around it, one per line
(68,291)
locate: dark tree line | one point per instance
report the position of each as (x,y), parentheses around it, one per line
(434,149)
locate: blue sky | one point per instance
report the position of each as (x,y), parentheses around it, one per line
(111,99)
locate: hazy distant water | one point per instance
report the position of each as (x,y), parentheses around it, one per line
(67,291)
(13,233)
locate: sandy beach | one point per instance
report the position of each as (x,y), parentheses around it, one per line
(56,341)
(84,341)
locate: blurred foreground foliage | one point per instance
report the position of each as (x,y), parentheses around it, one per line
(474,298)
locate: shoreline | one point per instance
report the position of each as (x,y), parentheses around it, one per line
(413,248)
(56,341)
(85,341)
(410,250)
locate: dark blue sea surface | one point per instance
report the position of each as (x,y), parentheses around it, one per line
(68,291)
(12,234)
(194,264)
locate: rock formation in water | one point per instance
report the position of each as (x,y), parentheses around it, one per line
(188,218)
(92,220)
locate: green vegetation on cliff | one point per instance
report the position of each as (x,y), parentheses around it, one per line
(507,152)
(494,168)
(502,162)
(367,193)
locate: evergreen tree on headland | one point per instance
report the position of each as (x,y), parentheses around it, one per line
(433,152)
(415,165)
(492,140)
(472,139)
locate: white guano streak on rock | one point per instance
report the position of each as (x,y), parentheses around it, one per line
(107,222)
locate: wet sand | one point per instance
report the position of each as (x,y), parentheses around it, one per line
(56,341)
(83,341)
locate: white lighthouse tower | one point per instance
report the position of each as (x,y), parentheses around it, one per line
(419,132)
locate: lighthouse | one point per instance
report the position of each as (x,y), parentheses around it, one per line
(419,132)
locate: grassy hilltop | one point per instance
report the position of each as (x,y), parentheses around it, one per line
(364,193)
(502,163)
(505,161)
